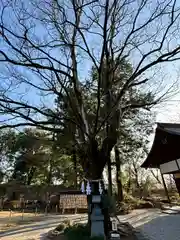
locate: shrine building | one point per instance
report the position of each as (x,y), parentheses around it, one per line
(165,152)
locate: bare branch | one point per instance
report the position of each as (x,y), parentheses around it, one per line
(51,46)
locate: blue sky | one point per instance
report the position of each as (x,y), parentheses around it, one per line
(169,73)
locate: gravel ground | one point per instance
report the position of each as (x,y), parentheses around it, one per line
(151,224)
(37,230)
(163,228)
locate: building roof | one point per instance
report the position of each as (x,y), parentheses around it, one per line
(166,145)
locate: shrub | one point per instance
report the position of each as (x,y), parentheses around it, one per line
(60,227)
(123,208)
(67,223)
(79,232)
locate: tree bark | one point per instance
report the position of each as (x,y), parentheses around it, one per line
(118,175)
(30,175)
(129,180)
(49,176)
(156,176)
(93,163)
(109,176)
(51,159)
(137,179)
(74,159)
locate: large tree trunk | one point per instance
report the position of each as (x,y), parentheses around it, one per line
(49,178)
(30,175)
(49,175)
(94,191)
(93,162)
(118,175)
(74,159)
(109,176)
(137,180)
(129,181)
(50,165)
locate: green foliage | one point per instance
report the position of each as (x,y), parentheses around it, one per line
(67,222)
(97,238)
(133,145)
(32,156)
(60,227)
(32,61)
(125,123)
(7,143)
(40,157)
(1,176)
(79,232)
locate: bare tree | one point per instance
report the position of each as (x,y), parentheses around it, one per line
(48,47)
(43,44)
(155,173)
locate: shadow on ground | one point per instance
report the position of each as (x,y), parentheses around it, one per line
(26,229)
(161,228)
(153,224)
(46,224)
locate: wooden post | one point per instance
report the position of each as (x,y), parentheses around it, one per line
(22,214)
(36,210)
(63,210)
(177,181)
(75,210)
(46,210)
(1,203)
(10,215)
(76,203)
(56,209)
(165,188)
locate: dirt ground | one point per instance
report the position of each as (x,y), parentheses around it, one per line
(10,219)
(138,219)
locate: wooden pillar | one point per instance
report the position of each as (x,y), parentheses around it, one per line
(165,188)
(177,181)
